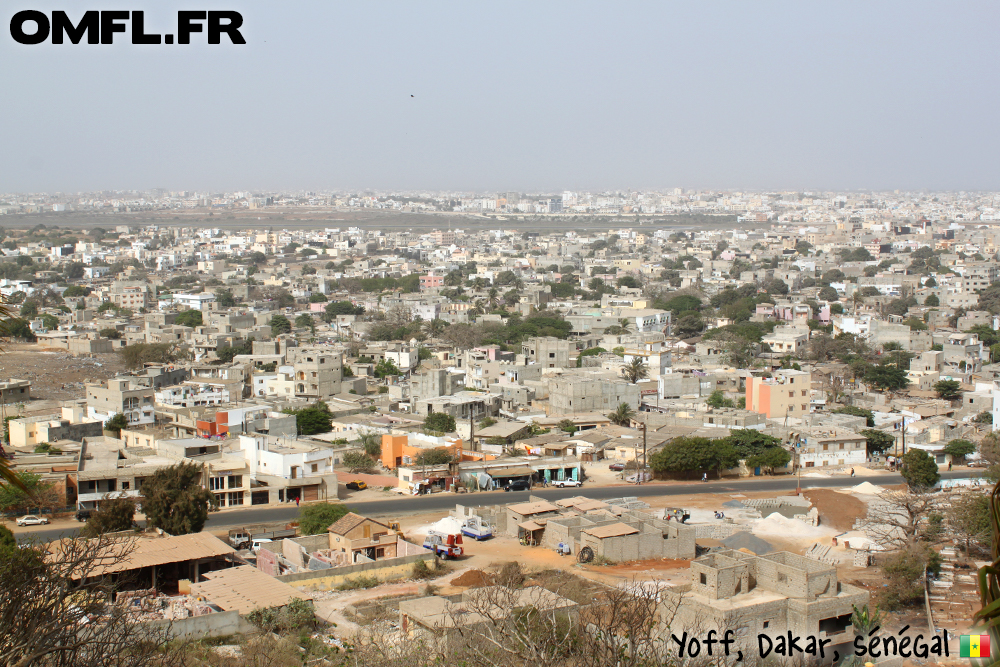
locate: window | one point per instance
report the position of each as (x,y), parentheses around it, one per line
(791,394)
(702,578)
(216,483)
(841,445)
(766,624)
(315,467)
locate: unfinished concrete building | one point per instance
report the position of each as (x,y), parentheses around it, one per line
(771,594)
(613,531)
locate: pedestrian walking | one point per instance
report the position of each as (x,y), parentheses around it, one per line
(852,472)
(704,476)
(296,501)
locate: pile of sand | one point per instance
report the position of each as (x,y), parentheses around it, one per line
(447,525)
(814,474)
(780,525)
(867,489)
(745,541)
(471,578)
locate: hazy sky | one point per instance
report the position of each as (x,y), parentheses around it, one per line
(515,95)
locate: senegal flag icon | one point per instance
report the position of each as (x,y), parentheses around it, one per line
(974,646)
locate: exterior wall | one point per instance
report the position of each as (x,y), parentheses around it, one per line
(220,624)
(384,570)
(788,395)
(569,396)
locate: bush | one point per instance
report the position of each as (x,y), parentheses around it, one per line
(298,614)
(440,422)
(904,573)
(358,583)
(314,519)
(421,570)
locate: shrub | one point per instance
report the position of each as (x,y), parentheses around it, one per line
(358,583)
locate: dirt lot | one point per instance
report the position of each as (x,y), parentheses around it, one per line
(838,510)
(55,374)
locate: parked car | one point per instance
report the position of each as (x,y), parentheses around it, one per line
(83,515)
(32,520)
(518,485)
(617,467)
(562,483)
(357,485)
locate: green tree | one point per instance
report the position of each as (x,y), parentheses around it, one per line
(371,442)
(434,457)
(110,333)
(175,501)
(857,412)
(689,325)
(969,520)
(136,355)
(769,459)
(305,321)
(29,310)
(750,442)
(356,462)
(932,300)
(717,399)
(686,454)
(567,426)
(114,515)
(47,448)
(959,449)
(316,518)
(635,370)
(885,377)
(317,297)
(440,422)
(877,441)
(116,424)
(386,367)
(280,325)
(621,415)
(50,322)
(224,297)
(17,327)
(920,470)
(75,290)
(949,390)
(312,419)
(189,318)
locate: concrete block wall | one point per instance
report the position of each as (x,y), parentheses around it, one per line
(389,569)
(220,624)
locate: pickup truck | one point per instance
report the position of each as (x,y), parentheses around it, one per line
(244,538)
(444,545)
(477,529)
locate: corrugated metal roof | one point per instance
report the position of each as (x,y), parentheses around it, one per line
(614,530)
(244,589)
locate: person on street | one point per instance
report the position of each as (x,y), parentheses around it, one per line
(296,501)
(704,476)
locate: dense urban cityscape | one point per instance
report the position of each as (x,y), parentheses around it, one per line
(283,427)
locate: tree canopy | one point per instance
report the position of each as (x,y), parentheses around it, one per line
(920,470)
(315,518)
(686,454)
(440,422)
(175,501)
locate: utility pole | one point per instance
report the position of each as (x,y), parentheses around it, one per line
(643,450)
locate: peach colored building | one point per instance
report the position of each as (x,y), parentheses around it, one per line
(786,394)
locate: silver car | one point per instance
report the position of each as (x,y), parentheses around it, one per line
(32,520)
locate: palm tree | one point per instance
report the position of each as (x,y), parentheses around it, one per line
(635,370)
(493,297)
(621,328)
(622,414)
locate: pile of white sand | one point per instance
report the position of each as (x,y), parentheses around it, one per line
(814,474)
(867,489)
(778,524)
(447,525)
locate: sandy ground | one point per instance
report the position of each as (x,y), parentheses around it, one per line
(55,374)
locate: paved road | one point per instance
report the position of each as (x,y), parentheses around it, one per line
(446,501)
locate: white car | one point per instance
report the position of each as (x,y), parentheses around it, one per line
(32,520)
(563,483)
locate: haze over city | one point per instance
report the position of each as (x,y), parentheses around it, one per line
(519,96)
